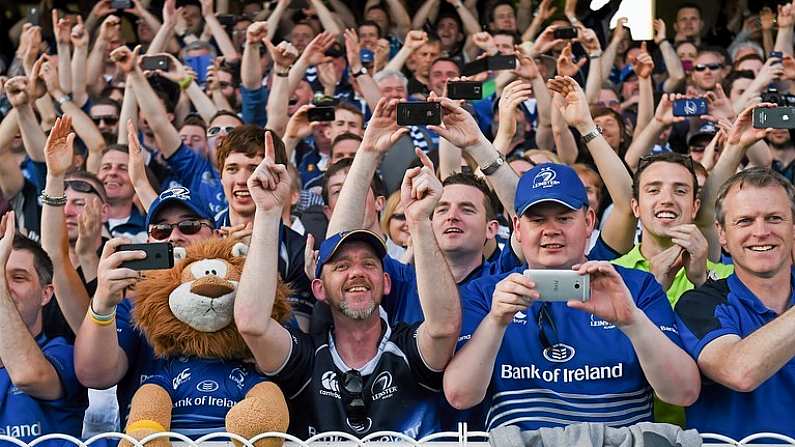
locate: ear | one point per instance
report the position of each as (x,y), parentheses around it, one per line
(47,294)
(635,208)
(239,249)
(517,233)
(319,290)
(696,207)
(492,227)
(327,212)
(170,117)
(295,197)
(590,220)
(721,234)
(105,212)
(387,283)
(379,204)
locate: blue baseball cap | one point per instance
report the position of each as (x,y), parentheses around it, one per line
(178,195)
(330,246)
(550,182)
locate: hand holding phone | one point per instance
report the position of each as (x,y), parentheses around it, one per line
(419,113)
(159,255)
(158,62)
(569,32)
(321,113)
(775,117)
(468,90)
(690,107)
(560,285)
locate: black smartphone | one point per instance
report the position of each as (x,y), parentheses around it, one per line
(776,118)
(299,4)
(159,256)
(469,90)
(502,62)
(419,113)
(569,32)
(227,19)
(690,107)
(155,63)
(775,54)
(475,67)
(321,113)
(120,4)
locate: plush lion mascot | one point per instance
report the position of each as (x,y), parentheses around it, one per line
(205,380)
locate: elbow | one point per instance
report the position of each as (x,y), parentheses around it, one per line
(90,376)
(31,379)
(458,397)
(687,394)
(743,381)
(249,327)
(448,329)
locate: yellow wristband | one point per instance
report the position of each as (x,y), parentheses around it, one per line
(145,423)
(184,83)
(101,322)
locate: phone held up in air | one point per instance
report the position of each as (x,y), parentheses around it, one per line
(419,113)
(155,63)
(690,107)
(321,113)
(469,90)
(560,285)
(159,256)
(775,118)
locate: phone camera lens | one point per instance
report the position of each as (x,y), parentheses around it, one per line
(576,285)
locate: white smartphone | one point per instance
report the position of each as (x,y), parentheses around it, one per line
(561,285)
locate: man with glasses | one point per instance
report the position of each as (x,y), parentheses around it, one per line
(603,356)
(709,69)
(105,114)
(176,217)
(360,374)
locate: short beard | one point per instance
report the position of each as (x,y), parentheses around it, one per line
(360,315)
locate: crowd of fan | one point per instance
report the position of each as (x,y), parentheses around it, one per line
(406,246)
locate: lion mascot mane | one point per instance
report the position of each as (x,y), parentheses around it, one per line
(206,380)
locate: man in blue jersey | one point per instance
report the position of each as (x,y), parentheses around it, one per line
(39,392)
(740,329)
(535,363)
(360,374)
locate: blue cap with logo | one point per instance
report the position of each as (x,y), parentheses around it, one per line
(330,246)
(550,182)
(178,195)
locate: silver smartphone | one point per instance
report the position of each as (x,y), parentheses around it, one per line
(561,285)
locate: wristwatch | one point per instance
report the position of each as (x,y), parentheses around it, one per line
(588,137)
(492,168)
(359,72)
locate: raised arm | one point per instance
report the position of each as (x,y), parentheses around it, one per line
(365,82)
(593,49)
(436,337)
(219,33)
(643,67)
(250,67)
(399,17)
(11,180)
(414,40)
(427,13)
(544,12)
(470,22)
(644,142)
(62,30)
(166,31)
(676,73)
(513,95)
(382,132)
(276,17)
(25,364)
(326,17)
(270,343)
(179,74)
(283,56)
(785,20)
(137,169)
(166,135)
(21,92)
(79,38)
(69,290)
(344,14)
(96,57)
(129,110)
(609,56)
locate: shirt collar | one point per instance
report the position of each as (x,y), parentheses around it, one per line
(744,294)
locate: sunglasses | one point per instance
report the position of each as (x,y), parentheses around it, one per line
(712,67)
(398,217)
(187,227)
(224,84)
(83,186)
(352,393)
(215,130)
(108,119)
(547,331)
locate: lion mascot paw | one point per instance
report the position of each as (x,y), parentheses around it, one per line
(205,380)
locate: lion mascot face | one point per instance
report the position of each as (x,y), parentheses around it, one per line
(187,315)
(189,310)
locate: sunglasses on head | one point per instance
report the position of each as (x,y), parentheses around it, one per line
(83,186)
(352,393)
(187,227)
(215,130)
(108,119)
(712,67)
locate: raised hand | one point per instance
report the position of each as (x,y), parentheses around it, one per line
(49,74)
(458,126)
(126,60)
(785,15)
(310,256)
(485,42)
(299,126)
(382,130)
(515,293)
(766,19)
(690,238)
(316,49)
(256,33)
(545,10)
(101,9)
(208,8)
(588,40)
(269,184)
(171,13)
(744,133)
(610,298)
(659,31)
(788,64)
(719,105)
(112,279)
(620,32)
(61,28)
(328,76)
(136,164)
(8,228)
(59,150)
(771,71)
(665,113)
(566,65)
(420,190)
(546,40)
(526,67)
(17,91)
(572,102)
(643,65)
(110,28)
(513,94)
(89,225)
(665,265)
(415,39)
(352,49)
(79,36)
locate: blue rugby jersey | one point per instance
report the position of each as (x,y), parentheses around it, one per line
(591,375)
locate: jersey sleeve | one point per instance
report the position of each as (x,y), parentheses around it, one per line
(475,305)
(404,278)
(652,300)
(61,356)
(163,377)
(405,336)
(602,252)
(297,370)
(190,170)
(701,316)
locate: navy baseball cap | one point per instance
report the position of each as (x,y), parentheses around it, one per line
(178,195)
(550,182)
(330,246)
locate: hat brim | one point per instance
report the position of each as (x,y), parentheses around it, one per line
(362,235)
(155,210)
(549,200)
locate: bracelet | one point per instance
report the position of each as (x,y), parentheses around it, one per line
(99,319)
(492,168)
(185,82)
(283,74)
(52,201)
(145,423)
(61,100)
(595,55)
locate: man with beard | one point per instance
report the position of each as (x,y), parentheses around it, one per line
(709,69)
(783,151)
(105,114)
(364,374)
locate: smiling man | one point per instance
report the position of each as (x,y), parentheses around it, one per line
(124,219)
(740,329)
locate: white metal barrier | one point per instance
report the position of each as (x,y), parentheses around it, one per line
(462,438)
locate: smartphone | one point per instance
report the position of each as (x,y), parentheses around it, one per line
(502,62)
(469,90)
(561,285)
(227,19)
(367,57)
(159,256)
(34,16)
(199,65)
(321,113)
(155,63)
(419,113)
(475,67)
(690,107)
(776,118)
(565,33)
(120,4)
